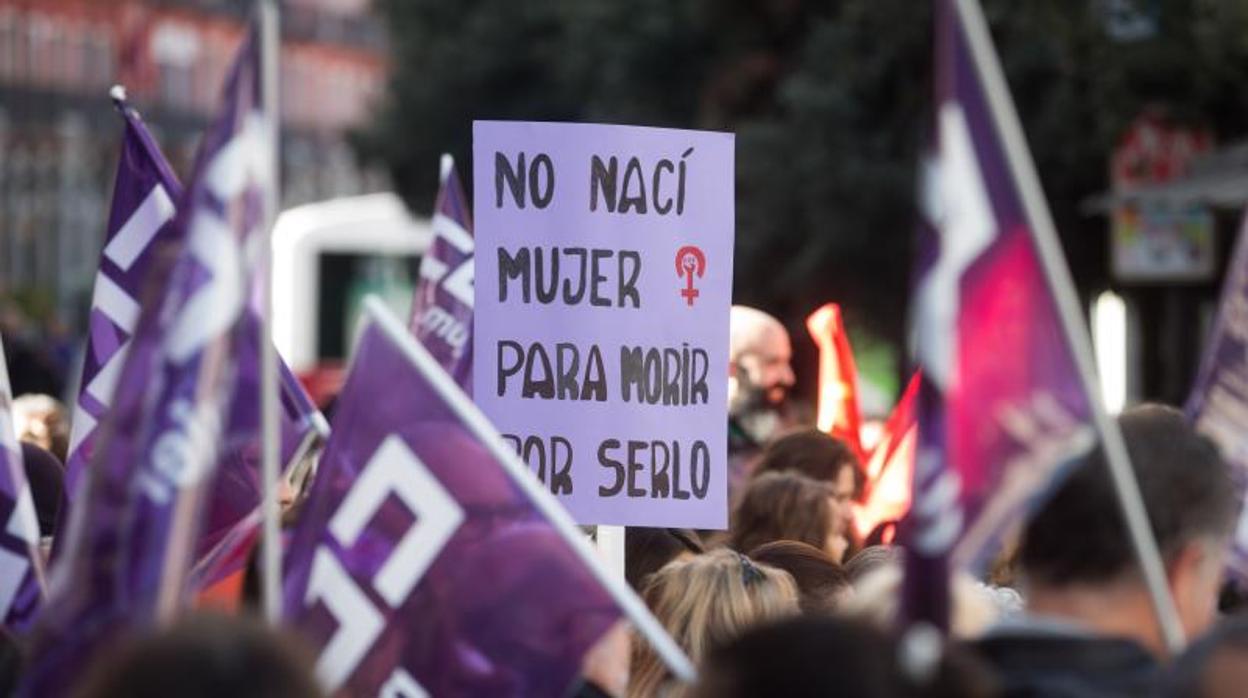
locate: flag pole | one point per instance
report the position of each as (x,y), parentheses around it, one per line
(271,544)
(1044,233)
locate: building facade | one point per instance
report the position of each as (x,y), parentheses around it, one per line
(59,135)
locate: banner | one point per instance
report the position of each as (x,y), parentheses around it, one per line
(427,561)
(1001,406)
(139,225)
(132,533)
(1218,404)
(442,305)
(21,566)
(603,289)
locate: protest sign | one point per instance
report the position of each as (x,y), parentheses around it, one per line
(427,562)
(604,278)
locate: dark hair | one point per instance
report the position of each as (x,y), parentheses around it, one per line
(820,656)
(869,559)
(204,656)
(46,476)
(820,581)
(1190,677)
(1079,535)
(646,550)
(811,453)
(781,506)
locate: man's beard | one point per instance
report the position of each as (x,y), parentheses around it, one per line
(760,411)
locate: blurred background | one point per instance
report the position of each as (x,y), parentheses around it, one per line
(1135,111)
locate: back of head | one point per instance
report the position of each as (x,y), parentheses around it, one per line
(1079,537)
(821,582)
(205,656)
(705,601)
(1213,667)
(647,550)
(827,656)
(747,327)
(43,421)
(870,559)
(810,452)
(782,506)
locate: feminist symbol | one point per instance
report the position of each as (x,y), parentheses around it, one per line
(690,261)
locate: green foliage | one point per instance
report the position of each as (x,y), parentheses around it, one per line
(829,101)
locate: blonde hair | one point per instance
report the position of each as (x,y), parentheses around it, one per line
(705,601)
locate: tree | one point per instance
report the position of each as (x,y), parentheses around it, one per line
(830,103)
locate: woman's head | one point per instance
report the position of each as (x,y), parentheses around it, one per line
(705,601)
(788,506)
(816,455)
(647,550)
(821,582)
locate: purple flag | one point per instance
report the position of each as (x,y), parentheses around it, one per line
(144,193)
(132,534)
(428,561)
(21,567)
(1001,405)
(442,305)
(1218,404)
(141,221)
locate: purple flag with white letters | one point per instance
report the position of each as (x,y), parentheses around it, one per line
(140,223)
(442,305)
(427,561)
(133,531)
(1001,407)
(21,567)
(1218,404)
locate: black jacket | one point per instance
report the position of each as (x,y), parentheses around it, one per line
(1035,659)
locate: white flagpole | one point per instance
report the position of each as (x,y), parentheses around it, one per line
(1005,116)
(271,543)
(647,625)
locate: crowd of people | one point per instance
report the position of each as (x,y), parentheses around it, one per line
(791,601)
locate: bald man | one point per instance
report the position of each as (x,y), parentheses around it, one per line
(759,380)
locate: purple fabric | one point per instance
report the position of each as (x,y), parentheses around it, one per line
(1001,407)
(442,306)
(1219,396)
(143,194)
(500,605)
(21,568)
(132,533)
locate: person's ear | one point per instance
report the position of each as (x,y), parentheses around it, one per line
(1192,575)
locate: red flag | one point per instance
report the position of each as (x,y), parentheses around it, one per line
(838,378)
(890,467)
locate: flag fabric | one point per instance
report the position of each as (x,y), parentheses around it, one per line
(132,533)
(442,305)
(1218,404)
(1001,406)
(139,225)
(422,563)
(141,222)
(890,467)
(21,567)
(838,413)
